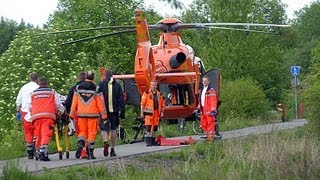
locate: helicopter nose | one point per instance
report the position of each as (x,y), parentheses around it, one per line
(177,60)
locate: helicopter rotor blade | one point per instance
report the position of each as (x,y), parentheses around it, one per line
(244,30)
(247,24)
(200,25)
(89,29)
(179,26)
(99,36)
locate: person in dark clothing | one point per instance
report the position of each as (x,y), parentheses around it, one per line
(114,101)
(68,102)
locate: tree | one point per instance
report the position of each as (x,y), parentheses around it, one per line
(175,4)
(33,50)
(307,31)
(240,54)
(8,30)
(311,95)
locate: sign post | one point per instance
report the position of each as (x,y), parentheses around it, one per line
(295,71)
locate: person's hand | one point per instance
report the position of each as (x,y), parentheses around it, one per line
(18,115)
(213,113)
(142,115)
(161,114)
(73,116)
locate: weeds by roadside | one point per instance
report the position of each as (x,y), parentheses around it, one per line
(278,155)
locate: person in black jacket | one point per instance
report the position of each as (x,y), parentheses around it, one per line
(68,102)
(114,101)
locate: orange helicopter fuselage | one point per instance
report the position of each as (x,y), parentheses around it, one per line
(172,64)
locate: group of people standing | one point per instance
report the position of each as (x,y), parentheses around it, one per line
(91,106)
(88,104)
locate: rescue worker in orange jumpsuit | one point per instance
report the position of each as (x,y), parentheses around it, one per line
(45,104)
(152,108)
(23,97)
(87,106)
(208,108)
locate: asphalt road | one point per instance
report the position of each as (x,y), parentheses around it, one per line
(131,150)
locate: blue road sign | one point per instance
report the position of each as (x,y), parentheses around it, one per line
(295,70)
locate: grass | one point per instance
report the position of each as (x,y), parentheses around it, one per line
(278,155)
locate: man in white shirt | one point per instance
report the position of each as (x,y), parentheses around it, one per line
(22,103)
(208,108)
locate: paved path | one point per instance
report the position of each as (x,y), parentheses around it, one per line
(130,150)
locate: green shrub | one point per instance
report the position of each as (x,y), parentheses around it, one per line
(243,98)
(312,101)
(311,95)
(12,143)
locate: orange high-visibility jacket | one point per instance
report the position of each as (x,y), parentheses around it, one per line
(87,103)
(44,104)
(147,102)
(210,103)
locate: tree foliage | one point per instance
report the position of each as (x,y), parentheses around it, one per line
(307,54)
(175,4)
(114,52)
(311,95)
(240,54)
(243,98)
(31,51)
(306,29)
(8,30)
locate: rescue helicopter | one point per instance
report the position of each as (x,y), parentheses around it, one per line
(171,62)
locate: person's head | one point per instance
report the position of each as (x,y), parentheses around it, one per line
(153,85)
(34,76)
(205,81)
(81,76)
(108,73)
(90,75)
(43,82)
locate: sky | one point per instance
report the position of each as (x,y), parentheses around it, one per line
(37,12)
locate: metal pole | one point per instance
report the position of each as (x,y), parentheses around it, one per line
(295,97)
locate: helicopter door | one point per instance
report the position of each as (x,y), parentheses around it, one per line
(132,95)
(214,76)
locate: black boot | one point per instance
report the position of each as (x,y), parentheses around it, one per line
(153,141)
(148,141)
(90,153)
(44,156)
(30,150)
(112,153)
(44,153)
(81,144)
(30,154)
